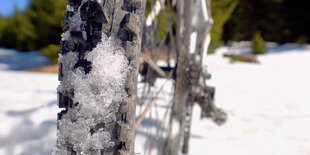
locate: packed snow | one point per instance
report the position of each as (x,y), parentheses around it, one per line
(267,106)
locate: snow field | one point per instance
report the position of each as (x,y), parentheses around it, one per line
(267,106)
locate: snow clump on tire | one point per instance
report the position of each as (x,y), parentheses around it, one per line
(97,97)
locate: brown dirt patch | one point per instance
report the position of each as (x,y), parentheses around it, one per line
(48,69)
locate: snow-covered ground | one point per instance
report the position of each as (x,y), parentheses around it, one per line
(28,113)
(267,104)
(11,59)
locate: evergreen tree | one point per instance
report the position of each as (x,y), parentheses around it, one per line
(35,28)
(221,12)
(279,21)
(18,32)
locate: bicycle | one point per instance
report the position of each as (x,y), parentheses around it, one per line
(99,33)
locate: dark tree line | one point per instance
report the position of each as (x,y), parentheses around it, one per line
(40,26)
(35,28)
(279,21)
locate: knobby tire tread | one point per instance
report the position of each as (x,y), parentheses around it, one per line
(123,22)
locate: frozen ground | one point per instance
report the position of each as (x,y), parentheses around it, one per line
(268,106)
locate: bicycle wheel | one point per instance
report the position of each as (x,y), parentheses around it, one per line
(181,109)
(179,113)
(188,74)
(98,69)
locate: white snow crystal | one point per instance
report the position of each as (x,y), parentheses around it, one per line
(98,94)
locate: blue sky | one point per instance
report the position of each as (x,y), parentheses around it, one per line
(7,6)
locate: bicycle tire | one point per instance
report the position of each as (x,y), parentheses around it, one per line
(121,20)
(190,86)
(180,116)
(181,111)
